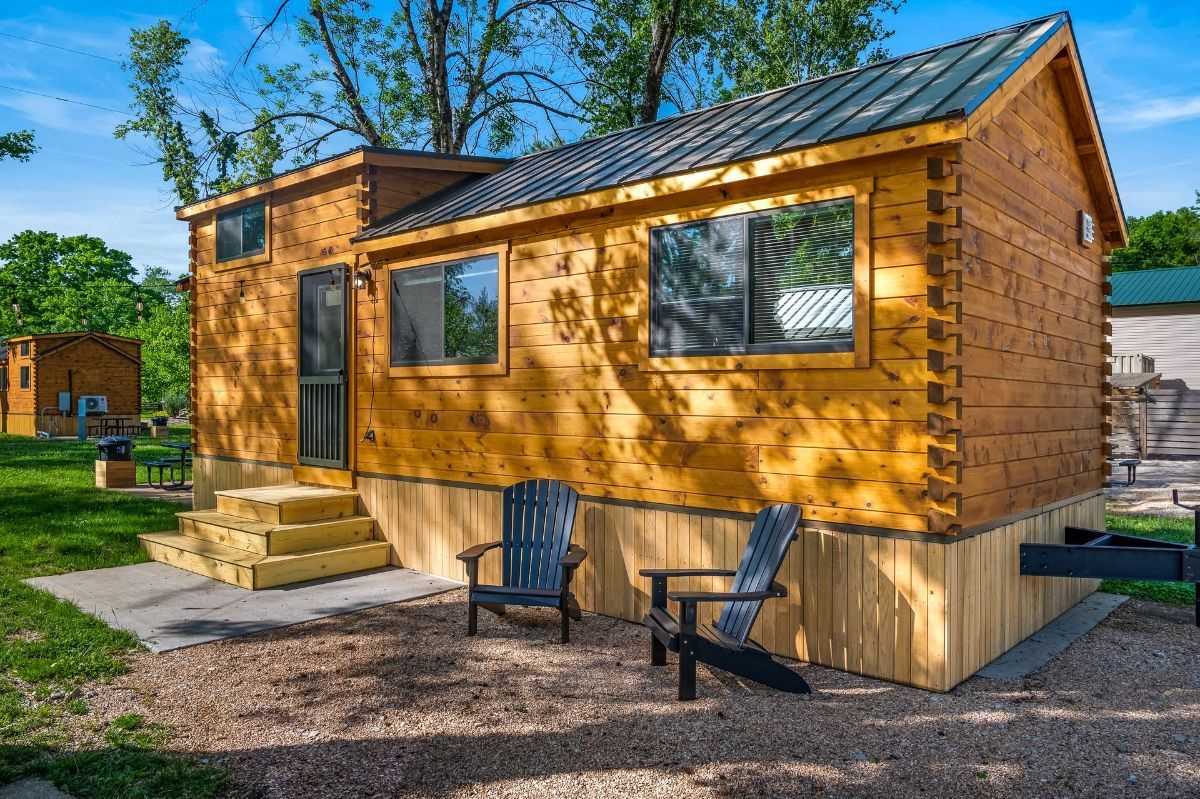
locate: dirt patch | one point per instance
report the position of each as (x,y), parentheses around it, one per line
(397,701)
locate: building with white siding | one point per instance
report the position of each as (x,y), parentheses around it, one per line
(1156,312)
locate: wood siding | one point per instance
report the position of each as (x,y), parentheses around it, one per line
(1032,303)
(847,443)
(244,367)
(1168,333)
(89,367)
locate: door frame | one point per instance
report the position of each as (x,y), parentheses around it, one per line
(309,463)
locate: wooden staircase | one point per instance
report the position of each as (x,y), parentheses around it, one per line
(265,537)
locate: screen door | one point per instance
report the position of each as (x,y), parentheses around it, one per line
(324,317)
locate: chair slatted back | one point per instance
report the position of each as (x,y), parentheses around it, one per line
(538,517)
(774,530)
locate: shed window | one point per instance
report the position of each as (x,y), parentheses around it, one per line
(772,282)
(3,378)
(446,313)
(242,232)
(24,377)
(25,348)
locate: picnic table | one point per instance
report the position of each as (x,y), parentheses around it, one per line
(110,426)
(175,485)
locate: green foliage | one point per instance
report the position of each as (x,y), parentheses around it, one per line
(155,56)
(17,145)
(165,356)
(59,280)
(1170,529)
(635,56)
(1163,238)
(173,404)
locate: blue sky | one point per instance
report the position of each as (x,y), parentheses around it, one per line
(1142,61)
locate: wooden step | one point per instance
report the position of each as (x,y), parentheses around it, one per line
(296,567)
(220,562)
(290,504)
(266,538)
(253,570)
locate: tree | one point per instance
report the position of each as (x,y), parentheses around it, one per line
(1163,238)
(59,281)
(165,360)
(637,56)
(452,77)
(17,145)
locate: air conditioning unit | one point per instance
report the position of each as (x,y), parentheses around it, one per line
(93,404)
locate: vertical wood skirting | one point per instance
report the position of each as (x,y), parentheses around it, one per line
(212,475)
(925,614)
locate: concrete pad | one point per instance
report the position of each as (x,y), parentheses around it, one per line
(169,608)
(1040,648)
(31,789)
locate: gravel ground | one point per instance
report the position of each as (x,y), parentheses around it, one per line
(397,701)
(1151,494)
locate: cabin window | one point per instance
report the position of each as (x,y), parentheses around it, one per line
(24,348)
(777,281)
(24,377)
(242,232)
(447,313)
(3,378)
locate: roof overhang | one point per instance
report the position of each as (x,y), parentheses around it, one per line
(1060,52)
(374,156)
(100,339)
(500,223)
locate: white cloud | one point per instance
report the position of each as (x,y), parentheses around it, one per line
(1143,113)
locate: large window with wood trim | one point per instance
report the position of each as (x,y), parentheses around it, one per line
(242,232)
(776,281)
(447,313)
(25,377)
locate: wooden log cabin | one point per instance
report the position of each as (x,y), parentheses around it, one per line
(36,369)
(879,295)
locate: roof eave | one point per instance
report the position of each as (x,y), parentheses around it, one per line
(929,133)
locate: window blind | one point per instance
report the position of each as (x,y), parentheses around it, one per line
(699,286)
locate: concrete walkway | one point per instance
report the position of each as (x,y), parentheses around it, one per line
(168,608)
(1040,648)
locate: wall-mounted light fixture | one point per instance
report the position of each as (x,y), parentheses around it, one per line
(362,277)
(241,291)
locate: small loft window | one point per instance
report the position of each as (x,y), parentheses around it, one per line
(25,348)
(24,377)
(242,232)
(446,314)
(778,281)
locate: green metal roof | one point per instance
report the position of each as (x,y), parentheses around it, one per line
(1156,286)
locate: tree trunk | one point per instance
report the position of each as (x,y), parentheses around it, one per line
(662,41)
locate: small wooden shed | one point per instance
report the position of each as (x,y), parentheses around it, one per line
(36,370)
(879,295)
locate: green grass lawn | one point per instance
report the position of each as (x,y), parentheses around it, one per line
(1178,530)
(53,520)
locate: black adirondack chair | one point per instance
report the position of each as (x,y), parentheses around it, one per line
(725,645)
(538,558)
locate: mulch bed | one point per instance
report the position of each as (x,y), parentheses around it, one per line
(397,701)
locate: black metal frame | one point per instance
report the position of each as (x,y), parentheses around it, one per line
(778,348)
(1098,554)
(341,379)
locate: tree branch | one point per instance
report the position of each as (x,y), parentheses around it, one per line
(366,126)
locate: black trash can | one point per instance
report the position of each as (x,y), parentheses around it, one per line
(159,421)
(115,448)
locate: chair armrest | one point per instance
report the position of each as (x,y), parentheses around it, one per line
(687,572)
(575,555)
(476,552)
(775,591)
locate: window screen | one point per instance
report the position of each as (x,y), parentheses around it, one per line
(24,377)
(446,313)
(780,281)
(242,232)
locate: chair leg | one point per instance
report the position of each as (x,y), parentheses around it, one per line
(687,651)
(658,652)
(566,624)
(472,618)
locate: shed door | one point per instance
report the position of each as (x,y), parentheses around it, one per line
(321,417)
